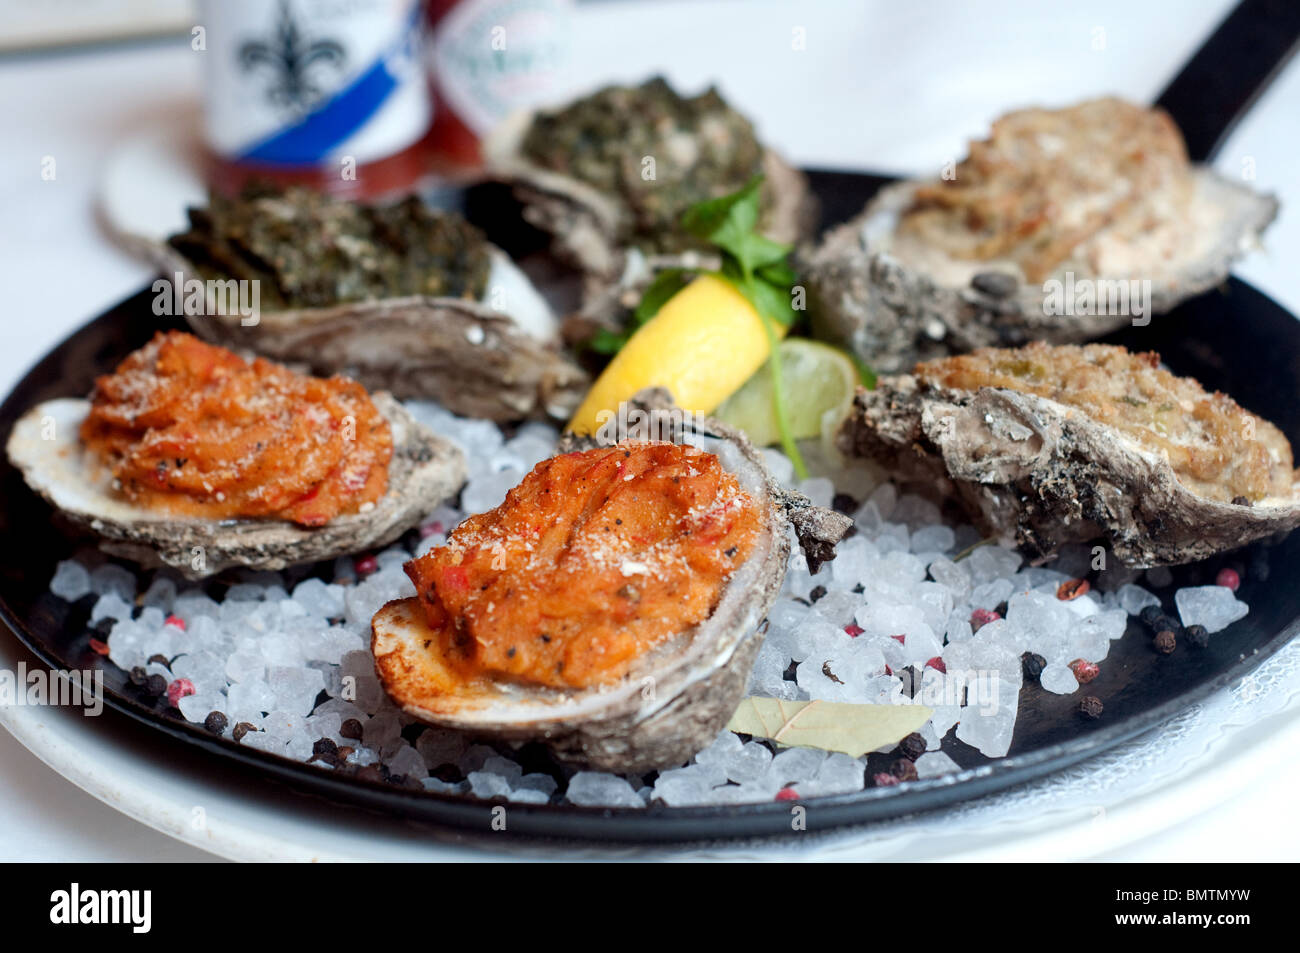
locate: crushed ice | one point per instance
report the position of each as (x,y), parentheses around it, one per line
(888,620)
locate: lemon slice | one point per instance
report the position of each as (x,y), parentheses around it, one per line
(819,384)
(704,343)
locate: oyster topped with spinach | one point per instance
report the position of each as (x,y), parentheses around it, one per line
(311,251)
(655,151)
(616,169)
(403,298)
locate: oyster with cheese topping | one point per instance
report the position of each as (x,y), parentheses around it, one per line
(1055,444)
(1062,226)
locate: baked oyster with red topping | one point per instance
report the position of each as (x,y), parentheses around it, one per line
(191,457)
(611,607)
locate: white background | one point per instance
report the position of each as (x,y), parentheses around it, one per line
(880,86)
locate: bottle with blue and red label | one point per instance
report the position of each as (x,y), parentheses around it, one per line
(328,93)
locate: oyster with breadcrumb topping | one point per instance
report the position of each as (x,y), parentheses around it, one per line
(1062,226)
(1056,444)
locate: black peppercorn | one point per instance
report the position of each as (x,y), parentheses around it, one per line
(350,728)
(1032,664)
(155,685)
(1149,614)
(913,746)
(1198,635)
(817,593)
(1091,707)
(215,722)
(139,676)
(1165,642)
(843,503)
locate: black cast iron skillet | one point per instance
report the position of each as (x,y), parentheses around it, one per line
(1232,339)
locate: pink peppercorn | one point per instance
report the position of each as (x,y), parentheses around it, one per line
(178,690)
(430,529)
(884,779)
(1229,578)
(787,794)
(983,617)
(853,629)
(1084,670)
(937,664)
(365,565)
(900,639)
(98,647)
(175,621)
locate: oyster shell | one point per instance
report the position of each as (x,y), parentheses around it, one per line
(424,470)
(590,228)
(486,346)
(1046,474)
(896,299)
(698,678)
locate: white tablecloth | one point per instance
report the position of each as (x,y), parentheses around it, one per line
(880,86)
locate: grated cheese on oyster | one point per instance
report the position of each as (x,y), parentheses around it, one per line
(1049,445)
(1062,226)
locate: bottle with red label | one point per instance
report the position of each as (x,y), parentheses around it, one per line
(490,58)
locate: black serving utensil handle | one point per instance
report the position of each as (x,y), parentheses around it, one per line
(1230,71)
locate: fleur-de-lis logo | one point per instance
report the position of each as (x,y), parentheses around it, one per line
(292,60)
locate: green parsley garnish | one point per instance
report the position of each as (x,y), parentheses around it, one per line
(753,264)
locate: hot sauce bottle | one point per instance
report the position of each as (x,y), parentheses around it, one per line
(491,58)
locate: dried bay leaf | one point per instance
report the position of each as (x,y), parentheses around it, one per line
(830,726)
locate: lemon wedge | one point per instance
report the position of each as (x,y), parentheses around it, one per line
(819,383)
(704,343)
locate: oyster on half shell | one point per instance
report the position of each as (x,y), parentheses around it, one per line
(1047,232)
(45,447)
(405,299)
(610,216)
(1047,472)
(698,676)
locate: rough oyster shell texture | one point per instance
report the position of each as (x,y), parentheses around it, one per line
(894,314)
(472,358)
(678,697)
(424,471)
(585,225)
(1045,474)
